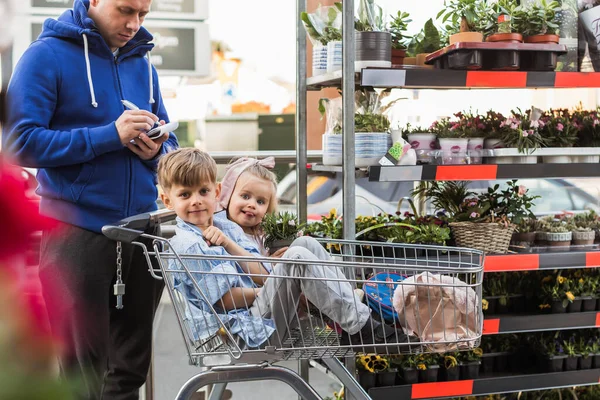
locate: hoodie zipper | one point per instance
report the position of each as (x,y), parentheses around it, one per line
(129,164)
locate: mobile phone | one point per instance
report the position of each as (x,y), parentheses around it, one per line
(157,132)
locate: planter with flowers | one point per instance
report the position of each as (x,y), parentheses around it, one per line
(553,352)
(428,367)
(423,141)
(588,126)
(451,370)
(522,133)
(525,234)
(368,366)
(584,347)
(494,122)
(469,363)
(280,230)
(453,142)
(556,294)
(408,368)
(573,357)
(474,129)
(556,128)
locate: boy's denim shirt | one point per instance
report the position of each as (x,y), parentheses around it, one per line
(188,239)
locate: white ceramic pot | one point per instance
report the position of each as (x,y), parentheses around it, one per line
(454,151)
(423,143)
(557,159)
(586,159)
(475,148)
(319,61)
(579,236)
(369,148)
(525,160)
(334,56)
(501,160)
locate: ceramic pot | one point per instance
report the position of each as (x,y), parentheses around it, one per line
(373,49)
(319,60)
(466,37)
(410,61)
(583,238)
(520,239)
(475,148)
(398,56)
(557,159)
(424,142)
(505,38)
(421,60)
(559,239)
(454,151)
(549,39)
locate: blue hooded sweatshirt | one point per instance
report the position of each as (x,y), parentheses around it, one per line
(63,101)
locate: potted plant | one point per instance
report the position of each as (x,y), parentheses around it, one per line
(469,363)
(584,348)
(397,29)
(516,203)
(537,21)
(427,365)
(373,42)
(451,371)
(387,377)
(422,140)
(368,365)
(558,234)
(595,349)
(556,293)
(556,128)
(583,236)
(525,233)
(519,132)
(553,352)
(499,23)
(280,230)
(425,42)
(473,128)
(572,360)
(453,142)
(323,28)
(408,368)
(463,19)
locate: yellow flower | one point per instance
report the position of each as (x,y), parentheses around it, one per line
(478,351)
(333,213)
(484,304)
(581,281)
(542,306)
(570,296)
(421,366)
(561,279)
(547,279)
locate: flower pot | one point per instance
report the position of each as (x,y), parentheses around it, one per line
(540,238)
(421,60)
(575,305)
(487,362)
(398,56)
(542,39)
(319,60)
(501,362)
(410,61)
(373,49)
(557,159)
(555,363)
(571,363)
(557,307)
(583,238)
(523,239)
(466,37)
(559,239)
(596,361)
(505,38)
(587,159)
(279,244)
(424,142)
(369,148)
(492,303)
(588,303)
(410,375)
(525,160)
(469,370)
(475,148)
(430,374)
(517,303)
(334,56)
(450,374)
(454,151)
(387,378)
(366,379)
(585,362)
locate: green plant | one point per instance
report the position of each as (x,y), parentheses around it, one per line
(514,202)
(493,12)
(450,360)
(555,126)
(324,25)
(527,225)
(463,15)
(409,361)
(427,40)
(518,131)
(537,18)
(432,234)
(446,196)
(570,347)
(471,355)
(280,226)
(369,17)
(397,29)
(587,219)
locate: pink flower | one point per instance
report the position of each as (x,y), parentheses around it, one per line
(535,124)
(474,215)
(525,133)
(541,123)
(514,125)
(480,126)
(596,122)
(522,190)
(502,124)
(472,204)
(560,127)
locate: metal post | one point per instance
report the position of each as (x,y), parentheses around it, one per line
(348,171)
(301,145)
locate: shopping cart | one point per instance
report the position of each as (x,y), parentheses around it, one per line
(438,306)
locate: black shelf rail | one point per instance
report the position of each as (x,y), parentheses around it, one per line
(485,386)
(539,261)
(495,325)
(480,172)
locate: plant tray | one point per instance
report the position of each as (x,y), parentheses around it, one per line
(497,56)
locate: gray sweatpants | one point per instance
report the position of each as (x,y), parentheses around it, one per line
(279,297)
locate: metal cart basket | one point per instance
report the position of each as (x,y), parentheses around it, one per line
(437,306)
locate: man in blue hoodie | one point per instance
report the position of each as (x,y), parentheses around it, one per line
(96,166)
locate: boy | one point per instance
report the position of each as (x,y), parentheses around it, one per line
(258,309)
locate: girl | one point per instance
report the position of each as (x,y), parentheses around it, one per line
(248,192)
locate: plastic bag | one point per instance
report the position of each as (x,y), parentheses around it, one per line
(324,25)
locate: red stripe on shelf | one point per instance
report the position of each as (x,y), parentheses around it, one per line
(577,79)
(598,320)
(466,172)
(491,326)
(441,389)
(496,79)
(518,262)
(592,259)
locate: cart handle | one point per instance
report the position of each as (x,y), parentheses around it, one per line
(120,234)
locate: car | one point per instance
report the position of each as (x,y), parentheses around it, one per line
(324,193)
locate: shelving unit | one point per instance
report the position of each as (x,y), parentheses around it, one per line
(537,323)
(488,385)
(541,261)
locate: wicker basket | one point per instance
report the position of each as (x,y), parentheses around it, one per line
(487,237)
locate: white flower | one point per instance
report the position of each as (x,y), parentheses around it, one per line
(279,221)
(291,222)
(535,124)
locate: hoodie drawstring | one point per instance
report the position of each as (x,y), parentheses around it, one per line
(89,70)
(150,77)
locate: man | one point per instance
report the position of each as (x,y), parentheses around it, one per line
(96,166)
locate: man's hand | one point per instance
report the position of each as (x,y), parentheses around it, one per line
(215,237)
(132,122)
(145,147)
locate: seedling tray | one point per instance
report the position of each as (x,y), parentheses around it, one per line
(497,56)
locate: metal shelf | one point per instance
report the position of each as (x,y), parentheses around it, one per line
(488,385)
(422,78)
(537,323)
(538,261)
(480,172)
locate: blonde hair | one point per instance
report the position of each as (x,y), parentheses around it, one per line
(188,167)
(266,174)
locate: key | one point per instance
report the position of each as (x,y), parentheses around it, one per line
(119,291)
